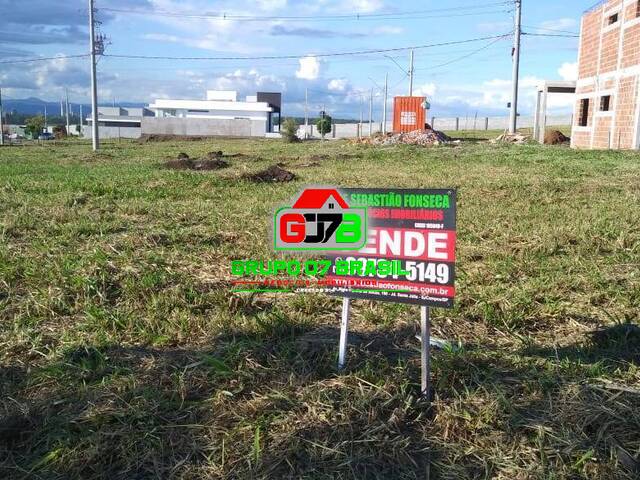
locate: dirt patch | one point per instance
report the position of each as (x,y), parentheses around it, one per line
(555,137)
(169,138)
(307,165)
(321,157)
(183,162)
(273,174)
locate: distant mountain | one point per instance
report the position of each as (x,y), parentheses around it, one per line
(35,106)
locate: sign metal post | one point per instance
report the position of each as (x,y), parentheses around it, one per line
(425,337)
(414,232)
(344,332)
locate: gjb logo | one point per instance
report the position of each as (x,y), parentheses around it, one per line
(320,219)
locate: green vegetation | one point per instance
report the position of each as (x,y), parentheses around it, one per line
(34,126)
(123,354)
(290,130)
(324,125)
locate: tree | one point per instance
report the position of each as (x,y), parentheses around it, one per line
(324,125)
(34,126)
(290,131)
(60,131)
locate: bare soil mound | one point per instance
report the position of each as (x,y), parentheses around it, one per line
(183,162)
(555,137)
(169,138)
(273,174)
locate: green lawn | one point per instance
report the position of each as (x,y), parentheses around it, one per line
(124,355)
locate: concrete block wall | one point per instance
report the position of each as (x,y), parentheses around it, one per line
(193,127)
(113,132)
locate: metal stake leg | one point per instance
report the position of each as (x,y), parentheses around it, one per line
(344,332)
(425,335)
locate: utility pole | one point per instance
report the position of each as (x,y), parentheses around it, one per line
(45,115)
(94,80)
(61,109)
(1,117)
(67,104)
(361,117)
(384,105)
(81,120)
(371,113)
(306,113)
(411,74)
(513,119)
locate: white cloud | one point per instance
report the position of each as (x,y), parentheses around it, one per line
(338,84)
(388,30)
(309,68)
(271,5)
(495,26)
(426,90)
(362,6)
(560,24)
(569,71)
(492,96)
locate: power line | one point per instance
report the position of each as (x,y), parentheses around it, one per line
(464,57)
(561,35)
(550,30)
(43,59)
(318,55)
(351,16)
(310,19)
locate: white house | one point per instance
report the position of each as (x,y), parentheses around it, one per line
(220,105)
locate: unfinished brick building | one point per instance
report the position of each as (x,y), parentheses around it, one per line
(607,94)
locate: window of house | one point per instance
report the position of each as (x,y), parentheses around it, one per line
(613,19)
(583,118)
(638,10)
(605,103)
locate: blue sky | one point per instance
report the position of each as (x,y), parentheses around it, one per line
(478,83)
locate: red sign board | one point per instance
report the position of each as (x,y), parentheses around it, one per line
(414,228)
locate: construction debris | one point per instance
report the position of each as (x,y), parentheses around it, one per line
(514,138)
(423,138)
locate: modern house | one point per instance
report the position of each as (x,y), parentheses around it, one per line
(607,106)
(117,122)
(219,114)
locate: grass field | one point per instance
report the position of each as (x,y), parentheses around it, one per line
(124,355)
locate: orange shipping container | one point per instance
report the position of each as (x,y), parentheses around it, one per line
(409,114)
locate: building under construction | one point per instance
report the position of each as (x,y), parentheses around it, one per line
(607,106)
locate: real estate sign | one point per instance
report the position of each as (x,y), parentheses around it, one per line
(413,234)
